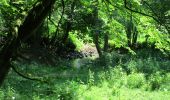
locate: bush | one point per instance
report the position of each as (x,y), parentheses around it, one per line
(165,86)
(136,80)
(105,59)
(68,90)
(116,76)
(156,80)
(131,66)
(148,65)
(76,41)
(1,94)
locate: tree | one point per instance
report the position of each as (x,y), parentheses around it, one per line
(93,17)
(156,9)
(34,18)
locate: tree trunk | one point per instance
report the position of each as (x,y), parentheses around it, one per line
(106,44)
(135,37)
(96,42)
(66,33)
(33,20)
(6,55)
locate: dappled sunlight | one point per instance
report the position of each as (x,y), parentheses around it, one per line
(84,50)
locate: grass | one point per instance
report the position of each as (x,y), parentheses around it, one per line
(114,77)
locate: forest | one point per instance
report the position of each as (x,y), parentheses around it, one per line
(84,49)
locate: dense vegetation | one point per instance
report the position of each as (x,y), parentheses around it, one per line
(85,49)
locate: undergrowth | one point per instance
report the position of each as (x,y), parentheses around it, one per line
(112,77)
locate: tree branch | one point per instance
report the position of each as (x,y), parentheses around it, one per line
(125,5)
(59,22)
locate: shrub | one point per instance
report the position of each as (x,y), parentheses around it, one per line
(68,91)
(76,41)
(131,66)
(116,76)
(136,80)
(148,65)
(91,78)
(105,59)
(155,80)
(165,86)
(1,94)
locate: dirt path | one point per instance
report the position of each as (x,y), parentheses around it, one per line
(89,51)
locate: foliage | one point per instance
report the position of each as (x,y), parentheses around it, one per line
(136,80)
(131,66)
(156,80)
(75,39)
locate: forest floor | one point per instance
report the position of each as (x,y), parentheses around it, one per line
(44,56)
(115,76)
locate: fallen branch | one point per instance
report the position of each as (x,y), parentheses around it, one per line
(27,77)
